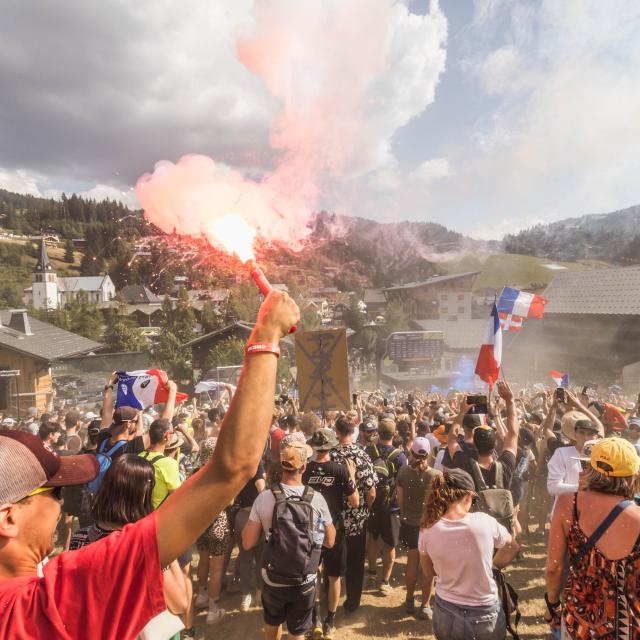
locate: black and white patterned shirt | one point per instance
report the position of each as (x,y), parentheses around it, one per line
(355,520)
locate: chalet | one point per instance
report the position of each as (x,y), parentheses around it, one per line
(590,329)
(376,303)
(429,295)
(202,346)
(28,350)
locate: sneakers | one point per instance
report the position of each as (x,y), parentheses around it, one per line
(317,633)
(215,613)
(202,600)
(329,630)
(425,613)
(373,577)
(410,607)
(386,589)
(245,603)
(189,634)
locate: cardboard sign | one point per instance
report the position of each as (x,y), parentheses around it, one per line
(323,371)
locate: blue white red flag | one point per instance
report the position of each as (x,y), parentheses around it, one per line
(520,303)
(142,389)
(510,322)
(490,356)
(561,379)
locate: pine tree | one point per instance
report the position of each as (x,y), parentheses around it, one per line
(68,252)
(211,321)
(121,335)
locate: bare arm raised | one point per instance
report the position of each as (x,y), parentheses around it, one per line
(187,512)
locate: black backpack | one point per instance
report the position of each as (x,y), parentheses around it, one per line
(291,554)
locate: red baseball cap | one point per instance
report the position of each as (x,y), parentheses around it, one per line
(26,464)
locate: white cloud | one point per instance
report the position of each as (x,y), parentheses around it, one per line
(563,135)
(19,181)
(431,170)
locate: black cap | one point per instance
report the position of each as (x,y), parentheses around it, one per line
(471,421)
(458,479)
(124,414)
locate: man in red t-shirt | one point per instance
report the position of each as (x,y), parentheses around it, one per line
(113,587)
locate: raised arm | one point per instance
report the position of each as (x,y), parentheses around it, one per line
(187,512)
(512,425)
(107,402)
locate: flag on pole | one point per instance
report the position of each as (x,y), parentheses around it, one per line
(520,303)
(509,322)
(561,379)
(490,356)
(141,389)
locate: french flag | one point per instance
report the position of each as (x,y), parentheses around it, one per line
(520,303)
(510,322)
(561,379)
(490,356)
(142,389)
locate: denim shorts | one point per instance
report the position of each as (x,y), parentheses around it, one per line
(456,622)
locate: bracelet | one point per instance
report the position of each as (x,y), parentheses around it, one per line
(108,386)
(262,347)
(551,606)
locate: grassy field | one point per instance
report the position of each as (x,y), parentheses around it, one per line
(383,617)
(19,273)
(506,269)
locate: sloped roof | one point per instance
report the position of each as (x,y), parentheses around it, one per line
(47,341)
(595,292)
(374,296)
(81,283)
(139,294)
(430,281)
(246,326)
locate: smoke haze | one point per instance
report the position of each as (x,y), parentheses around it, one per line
(348,74)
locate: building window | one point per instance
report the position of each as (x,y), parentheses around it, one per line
(445,296)
(461,296)
(460,309)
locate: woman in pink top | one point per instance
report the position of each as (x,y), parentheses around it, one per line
(457,547)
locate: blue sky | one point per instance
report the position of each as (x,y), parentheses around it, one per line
(533,116)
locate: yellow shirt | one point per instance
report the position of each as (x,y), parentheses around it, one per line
(167,477)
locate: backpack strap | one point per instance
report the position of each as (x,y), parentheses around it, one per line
(278,493)
(307,494)
(145,455)
(499,475)
(599,532)
(116,446)
(476,472)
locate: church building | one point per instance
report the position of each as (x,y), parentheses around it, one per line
(50,291)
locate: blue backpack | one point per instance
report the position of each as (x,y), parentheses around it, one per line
(104,459)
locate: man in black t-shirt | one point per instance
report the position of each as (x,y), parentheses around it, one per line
(336,482)
(243,502)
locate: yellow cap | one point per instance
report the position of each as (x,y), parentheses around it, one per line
(615,457)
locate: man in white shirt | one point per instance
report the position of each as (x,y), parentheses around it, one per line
(579,425)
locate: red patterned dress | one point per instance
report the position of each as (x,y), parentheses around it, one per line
(601,597)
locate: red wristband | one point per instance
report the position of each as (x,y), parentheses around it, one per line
(262,347)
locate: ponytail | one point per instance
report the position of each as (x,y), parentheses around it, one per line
(438,499)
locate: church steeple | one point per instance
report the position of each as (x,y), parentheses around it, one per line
(43,265)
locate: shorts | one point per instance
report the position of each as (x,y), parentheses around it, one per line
(334,560)
(185,559)
(217,537)
(409,534)
(293,605)
(386,525)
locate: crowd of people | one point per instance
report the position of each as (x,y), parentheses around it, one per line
(123,523)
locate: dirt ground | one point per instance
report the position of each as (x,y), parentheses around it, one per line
(384,616)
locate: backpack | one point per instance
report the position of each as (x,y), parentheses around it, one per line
(495,500)
(104,462)
(291,554)
(386,469)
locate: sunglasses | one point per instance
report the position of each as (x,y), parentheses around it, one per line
(584,464)
(55,491)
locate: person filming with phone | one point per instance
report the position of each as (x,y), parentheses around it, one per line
(579,425)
